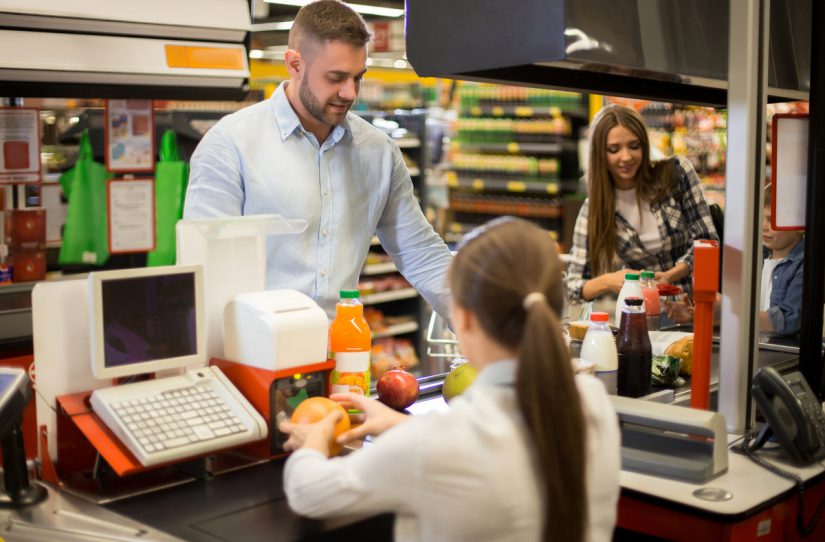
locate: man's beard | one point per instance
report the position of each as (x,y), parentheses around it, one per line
(312,105)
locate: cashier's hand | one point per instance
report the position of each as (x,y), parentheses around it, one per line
(680,312)
(376,418)
(315,436)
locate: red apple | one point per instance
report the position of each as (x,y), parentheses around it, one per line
(397,389)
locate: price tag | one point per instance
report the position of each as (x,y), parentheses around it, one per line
(475,111)
(478,184)
(512,147)
(555,111)
(498,111)
(524,111)
(552,188)
(516,186)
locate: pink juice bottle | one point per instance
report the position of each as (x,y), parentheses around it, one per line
(650,294)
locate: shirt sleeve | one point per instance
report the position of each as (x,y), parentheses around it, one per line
(694,207)
(578,268)
(215,178)
(379,478)
(785,311)
(417,250)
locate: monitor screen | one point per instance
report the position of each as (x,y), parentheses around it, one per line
(145,320)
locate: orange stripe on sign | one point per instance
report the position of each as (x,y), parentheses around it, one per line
(218,58)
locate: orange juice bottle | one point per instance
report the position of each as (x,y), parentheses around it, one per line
(350,343)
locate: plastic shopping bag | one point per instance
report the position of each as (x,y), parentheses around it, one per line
(86,233)
(171,177)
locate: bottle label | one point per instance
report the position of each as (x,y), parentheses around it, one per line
(351,373)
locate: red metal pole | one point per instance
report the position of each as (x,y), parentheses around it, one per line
(705,286)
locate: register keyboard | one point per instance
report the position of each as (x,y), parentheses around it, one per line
(178,417)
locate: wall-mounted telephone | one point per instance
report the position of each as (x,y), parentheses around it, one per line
(793,412)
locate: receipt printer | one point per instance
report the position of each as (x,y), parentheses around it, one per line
(274,330)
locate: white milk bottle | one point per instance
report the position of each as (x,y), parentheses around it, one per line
(631,288)
(599,348)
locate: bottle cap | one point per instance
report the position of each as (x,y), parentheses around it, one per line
(648,274)
(598,317)
(349,294)
(631,276)
(633,301)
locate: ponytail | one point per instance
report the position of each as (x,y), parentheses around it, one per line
(552,410)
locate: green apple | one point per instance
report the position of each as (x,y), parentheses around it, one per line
(458,380)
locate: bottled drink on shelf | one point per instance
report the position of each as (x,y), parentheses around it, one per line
(634,351)
(630,288)
(651,296)
(350,345)
(599,347)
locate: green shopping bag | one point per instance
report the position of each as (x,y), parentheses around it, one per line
(86,233)
(171,177)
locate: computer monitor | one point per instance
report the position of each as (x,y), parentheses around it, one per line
(145,320)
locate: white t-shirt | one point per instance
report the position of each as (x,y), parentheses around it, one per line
(643,222)
(768,265)
(464,474)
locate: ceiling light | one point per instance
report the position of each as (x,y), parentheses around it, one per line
(268,27)
(360,8)
(256,53)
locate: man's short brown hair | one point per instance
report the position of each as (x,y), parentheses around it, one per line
(325,20)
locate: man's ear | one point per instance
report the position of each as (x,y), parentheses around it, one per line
(294,63)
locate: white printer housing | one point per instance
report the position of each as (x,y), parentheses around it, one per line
(274,330)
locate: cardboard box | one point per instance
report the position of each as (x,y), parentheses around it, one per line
(29,266)
(26,229)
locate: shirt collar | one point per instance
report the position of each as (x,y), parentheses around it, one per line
(288,121)
(499,373)
(796,254)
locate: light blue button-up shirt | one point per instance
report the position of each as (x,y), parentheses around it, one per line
(260,160)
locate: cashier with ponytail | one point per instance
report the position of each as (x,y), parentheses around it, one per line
(529,452)
(639,214)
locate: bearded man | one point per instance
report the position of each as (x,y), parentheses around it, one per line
(302,154)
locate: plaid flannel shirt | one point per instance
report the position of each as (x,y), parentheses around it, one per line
(683,216)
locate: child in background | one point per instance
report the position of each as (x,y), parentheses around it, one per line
(529,452)
(780,300)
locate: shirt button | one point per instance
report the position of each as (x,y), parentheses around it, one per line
(326,191)
(324,232)
(323,272)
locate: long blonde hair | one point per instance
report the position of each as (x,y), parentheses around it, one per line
(654,183)
(490,276)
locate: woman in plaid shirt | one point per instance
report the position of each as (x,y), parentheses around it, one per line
(638,215)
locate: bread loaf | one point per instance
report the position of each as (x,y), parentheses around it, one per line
(683,349)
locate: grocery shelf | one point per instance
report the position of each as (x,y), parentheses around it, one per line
(397,329)
(521,111)
(492,207)
(514,147)
(379,268)
(392,295)
(530,185)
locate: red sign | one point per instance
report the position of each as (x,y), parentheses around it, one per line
(381,36)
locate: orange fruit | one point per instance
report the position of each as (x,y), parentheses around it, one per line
(314,409)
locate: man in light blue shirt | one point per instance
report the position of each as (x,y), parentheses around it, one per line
(301,154)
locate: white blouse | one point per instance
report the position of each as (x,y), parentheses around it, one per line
(640,218)
(464,474)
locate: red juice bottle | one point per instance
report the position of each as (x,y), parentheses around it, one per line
(633,348)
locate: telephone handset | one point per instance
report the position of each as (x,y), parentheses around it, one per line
(793,412)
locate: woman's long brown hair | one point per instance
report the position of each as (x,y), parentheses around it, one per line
(490,276)
(653,184)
